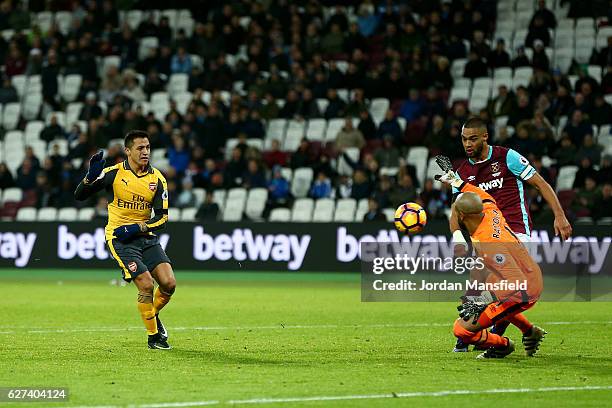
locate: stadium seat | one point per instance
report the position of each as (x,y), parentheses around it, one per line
(294,135)
(595,72)
(563,59)
(402,122)
(566,176)
(12,195)
(255,144)
(322,103)
(10,115)
(389,171)
(182,99)
(389,214)
(345,210)
(564,38)
(219,197)
(324,210)
(200,195)
(61,118)
(40,148)
(280,215)
(584,221)
(174,214)
(31,106)
(229,146)
(302,178)
(458,94)
(72,114)
(585,22)
(32,130)
(276,130)
(64,21)
(188,214)
(133,18)
(234,207)
(256,202)
(417,156)
(236,194)
(362,209)
(26,214)
(44,19)
(19,82)
(145,45)
(86,214)
(178,83)
(67,214)
(47,214)
(458,67)
(315,130)
(333,127)
(287,174)
(302,210)
(171,15)
(602,37)
(584,49)
(432,170)
(378,109)
(343,166)
(71,87)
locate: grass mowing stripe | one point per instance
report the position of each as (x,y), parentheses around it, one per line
(24,275)
(322,398)
(275,327)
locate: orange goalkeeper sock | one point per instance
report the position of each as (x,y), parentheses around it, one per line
(520,321)
(161,299)
(492,339)
(482,338)
(147,312)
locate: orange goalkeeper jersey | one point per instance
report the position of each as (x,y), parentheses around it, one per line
(505,256)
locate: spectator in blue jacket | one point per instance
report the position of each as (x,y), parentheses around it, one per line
(321,188)
(181,62)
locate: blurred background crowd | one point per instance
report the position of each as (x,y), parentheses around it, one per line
(305,100)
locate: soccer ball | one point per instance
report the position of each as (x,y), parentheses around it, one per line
(410,217)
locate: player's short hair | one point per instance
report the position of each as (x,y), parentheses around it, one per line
(475,123)
(134,134)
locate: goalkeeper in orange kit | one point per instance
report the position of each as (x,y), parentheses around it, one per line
(507,261)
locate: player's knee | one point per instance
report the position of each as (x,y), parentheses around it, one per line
(169,286)
(146,285)
(462,332)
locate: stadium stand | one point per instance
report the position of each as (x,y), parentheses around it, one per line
(75,80)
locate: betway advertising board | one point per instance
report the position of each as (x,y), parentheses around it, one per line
(322,247)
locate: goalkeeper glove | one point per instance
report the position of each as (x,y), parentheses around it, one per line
(125,232)
(96,165)
(449,176)
(471,309)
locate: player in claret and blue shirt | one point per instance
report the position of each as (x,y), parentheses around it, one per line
(502,173)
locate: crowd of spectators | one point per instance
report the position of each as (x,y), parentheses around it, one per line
(276,59)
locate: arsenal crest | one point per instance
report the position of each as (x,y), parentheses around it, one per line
(495,167)
(153,186)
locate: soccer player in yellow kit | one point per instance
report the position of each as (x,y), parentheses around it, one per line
(137,189)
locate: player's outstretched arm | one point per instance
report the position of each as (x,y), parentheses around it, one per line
(561,224)
(95,179)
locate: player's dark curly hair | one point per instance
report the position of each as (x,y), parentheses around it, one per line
(134,134)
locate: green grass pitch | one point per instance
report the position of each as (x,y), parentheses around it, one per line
(282,339)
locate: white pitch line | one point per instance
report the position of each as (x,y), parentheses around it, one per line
(276,327)
(322,398)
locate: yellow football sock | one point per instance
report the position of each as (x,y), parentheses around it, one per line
(147,312)
(161,299)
